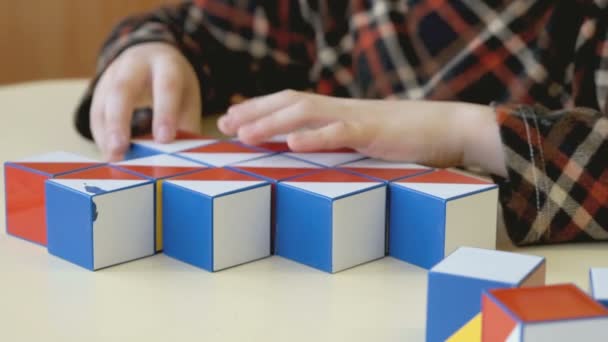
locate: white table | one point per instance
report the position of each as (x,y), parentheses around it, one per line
(43,298)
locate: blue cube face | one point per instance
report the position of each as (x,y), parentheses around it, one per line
(139,151)
(416,227)
(303,227)
(70,217)
(452,302)
(187,226)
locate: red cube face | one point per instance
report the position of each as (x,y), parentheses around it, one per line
(25,203)
(24,186)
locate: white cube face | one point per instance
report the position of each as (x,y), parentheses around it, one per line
(328,158)
(241,227)
(497,266)
(580,329)
(124,227)
(222,159)
(471,221)
(175,146)
(599,283)
(358,228)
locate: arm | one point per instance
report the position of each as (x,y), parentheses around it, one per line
(550,166)
(231,49)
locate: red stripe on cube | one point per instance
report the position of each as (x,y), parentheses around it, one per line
(222,147)
(333,176)
(386,174)
(444,177)
(276,173)
(217,174)
(180,135)
(55,168)
(160,171)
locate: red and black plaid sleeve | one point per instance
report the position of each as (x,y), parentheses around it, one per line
(557,185)
(544,64)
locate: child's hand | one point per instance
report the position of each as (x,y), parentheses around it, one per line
(440,134)
(152,75)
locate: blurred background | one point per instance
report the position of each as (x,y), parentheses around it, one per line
(59,38)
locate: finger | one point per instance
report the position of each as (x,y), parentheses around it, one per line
(190,118)
(120,102)
(167,90)
(286,120)
(96,122)
(251,110)
(338,134)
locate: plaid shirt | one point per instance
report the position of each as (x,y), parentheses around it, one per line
(542,64)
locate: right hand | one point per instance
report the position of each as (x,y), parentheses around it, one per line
(154,75)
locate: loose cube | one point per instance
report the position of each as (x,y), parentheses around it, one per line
(556,313)
(598,278)
(274,169)
(331,220)
(159,167)
(455,285)
(216,218)
(223,153)
(100,217)
(434,213)
(146,146)
(24,187)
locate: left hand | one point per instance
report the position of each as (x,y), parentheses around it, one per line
(439,134)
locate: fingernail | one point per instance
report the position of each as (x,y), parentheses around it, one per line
(164,134)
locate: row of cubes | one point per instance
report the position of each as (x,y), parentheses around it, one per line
(219,204)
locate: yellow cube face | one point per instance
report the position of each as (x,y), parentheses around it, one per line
(470,332)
